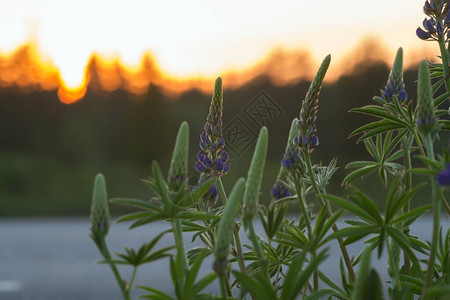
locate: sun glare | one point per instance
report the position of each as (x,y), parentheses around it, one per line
(176,42)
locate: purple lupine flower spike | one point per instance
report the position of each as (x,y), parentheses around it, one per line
(395,85)
(212,159)
(436,27)
(280,191)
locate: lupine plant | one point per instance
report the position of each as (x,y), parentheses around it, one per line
(284,262)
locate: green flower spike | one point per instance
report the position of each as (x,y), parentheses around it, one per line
(307,140)
(226,227)
(179,165)
(426,120)
(279,190)
(395,85)
(254,178)
(99,209)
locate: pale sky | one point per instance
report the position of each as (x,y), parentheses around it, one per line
(200,37)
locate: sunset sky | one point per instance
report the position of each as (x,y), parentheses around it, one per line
(200,37)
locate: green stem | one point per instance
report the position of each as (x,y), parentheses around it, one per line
(444,58)
(221,189)
(239,252)
(254,239)
(346,256)
(223,284)
(303,207)
(316,274)
(408,185)
(394,265)
(436,206)
(179,243)
(122,284)
(133,276)
(238,247)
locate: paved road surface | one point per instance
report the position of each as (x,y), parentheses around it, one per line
(54,259)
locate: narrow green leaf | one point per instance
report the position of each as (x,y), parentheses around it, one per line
(347,205)
(358,173)
(145,205)
(412,214)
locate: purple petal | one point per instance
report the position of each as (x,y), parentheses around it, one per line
(423,35)
(201,168)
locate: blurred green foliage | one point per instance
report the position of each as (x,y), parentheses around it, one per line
(49,151)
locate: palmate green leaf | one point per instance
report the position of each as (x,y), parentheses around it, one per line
(202,283)
(177,276)
(196,194)
(145,205)
(134,216)
(359,164)
(297,277)
(361,277)
(421,171)
(193,253)
(372,126)
(337,291)
(437,85)
(441,99)
(380,112)
(192,214)
(161,186)
(349,206)
(372,148)
(439,292)
(367,204)
(388,147)
(418,245)
(192,274)
(435,165)
(440,112)
(394,206)
(359,173)
(415,284)
(319,294)
(293,236)
(329,223)
(142,255)
(391,197)
(401,240)
(255,285)
(353,234)
(372,244)
(444,124)
(147,220)
(412,215)
(380,130)
(156,294)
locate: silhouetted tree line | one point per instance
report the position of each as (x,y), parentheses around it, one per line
(50,152)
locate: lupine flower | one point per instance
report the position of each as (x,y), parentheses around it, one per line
(307,139)
(433,29)
(426,120)
(99,209)
(212,159)
(395,85)
(443,177)
(291,157)
(178,165)
(280,191)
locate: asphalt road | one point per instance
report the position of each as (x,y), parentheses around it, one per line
(55,259)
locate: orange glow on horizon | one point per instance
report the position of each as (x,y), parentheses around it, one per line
(27,69)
